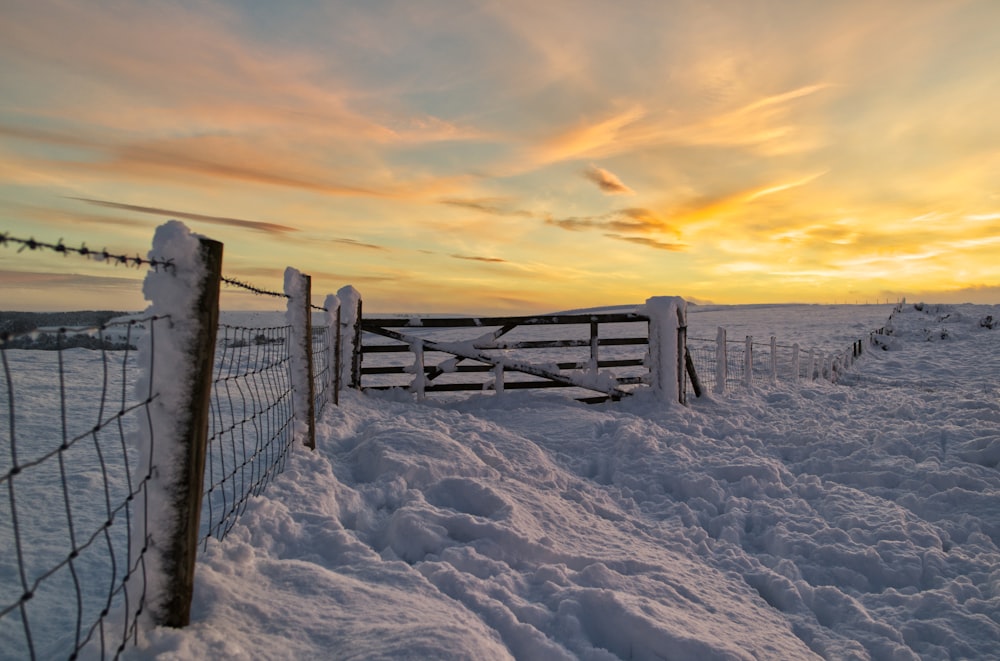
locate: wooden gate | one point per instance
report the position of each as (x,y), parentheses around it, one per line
(446,352)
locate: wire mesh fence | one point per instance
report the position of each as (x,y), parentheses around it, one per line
(323,338)
(758,364)
(78,534)
(250,430)
(68,482)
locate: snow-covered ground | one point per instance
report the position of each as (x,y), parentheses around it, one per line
(845,521)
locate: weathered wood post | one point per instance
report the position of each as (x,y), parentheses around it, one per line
(774,359)
(795,361)
(594,344)
(173,438)
(332,307)
(298,288)
(721,361)
(748,362)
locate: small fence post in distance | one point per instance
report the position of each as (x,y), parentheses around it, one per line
(774,359)
(721,361)
(174,439)
(748,362)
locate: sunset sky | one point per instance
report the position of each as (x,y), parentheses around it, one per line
(509,156)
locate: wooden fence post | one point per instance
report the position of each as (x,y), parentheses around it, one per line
(721,361)
(180,550)
(356,354)
(748,362)
(350,338)
(594,344)
(795,361)
(298,289)
(332,307)
(774,360)
(310,440)
(667,346)
(682,329)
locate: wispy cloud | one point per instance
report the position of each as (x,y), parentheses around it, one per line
(632,219)
(358,244)
(494,206)
(778,188)
(607,181)
(650,243)
(474,258)
(270,228)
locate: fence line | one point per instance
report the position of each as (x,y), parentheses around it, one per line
(254,412)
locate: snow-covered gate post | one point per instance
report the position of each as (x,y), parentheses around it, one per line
(332,307)
(172,440)
(350,320)
(667,344)
(721,361)
(298,289)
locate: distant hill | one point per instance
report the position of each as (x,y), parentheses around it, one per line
(16,330)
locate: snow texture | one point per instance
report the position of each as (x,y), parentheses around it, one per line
(172,292)
(800,520)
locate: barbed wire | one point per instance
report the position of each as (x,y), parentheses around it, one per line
(121,259)
(256,290)
(98,255)
(263,292)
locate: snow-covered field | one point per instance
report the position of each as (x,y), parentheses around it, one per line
(849,521)
(812,520)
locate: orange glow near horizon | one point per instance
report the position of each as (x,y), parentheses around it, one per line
(509,157)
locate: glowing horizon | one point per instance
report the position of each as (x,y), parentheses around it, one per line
(505,157)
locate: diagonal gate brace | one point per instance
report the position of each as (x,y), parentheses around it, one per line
(465,350)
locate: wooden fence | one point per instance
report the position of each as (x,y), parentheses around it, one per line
(601,356)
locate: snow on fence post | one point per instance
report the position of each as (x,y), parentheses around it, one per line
(498,386)
(748,362)
(812,364)
(332,307)
(298,288)
(419,373)
(721,361)
(795,361)
(774,360)
(667,338)
(350,345)
(173,438)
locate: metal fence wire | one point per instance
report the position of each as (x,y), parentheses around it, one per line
(250,430)
(322,341)
(68,483)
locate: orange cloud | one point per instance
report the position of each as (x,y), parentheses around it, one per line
(607,181)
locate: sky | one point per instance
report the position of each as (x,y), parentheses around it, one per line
(508,156)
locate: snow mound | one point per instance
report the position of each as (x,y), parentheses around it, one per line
(855,520)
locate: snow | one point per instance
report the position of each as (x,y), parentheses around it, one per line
(791,521)
(796,520)
(666,314)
